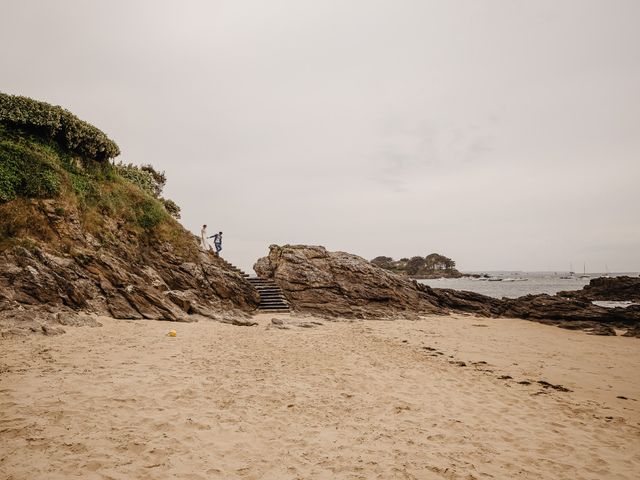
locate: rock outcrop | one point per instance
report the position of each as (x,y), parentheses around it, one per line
(80,234)
(125,278)
(340,284)
(150,282)
(569,313)
(608,288)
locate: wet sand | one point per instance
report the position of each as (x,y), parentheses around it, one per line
(444,398)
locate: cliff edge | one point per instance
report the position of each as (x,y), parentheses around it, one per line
(81,234)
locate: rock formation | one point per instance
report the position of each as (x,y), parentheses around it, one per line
(340,284)
(608,288)
(126,278)
(569,313)
(81,236)
(77,236)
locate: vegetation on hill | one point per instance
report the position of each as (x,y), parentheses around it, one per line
(431,266)
(56,123)
(51,159)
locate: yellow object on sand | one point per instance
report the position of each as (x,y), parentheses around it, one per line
(172,333)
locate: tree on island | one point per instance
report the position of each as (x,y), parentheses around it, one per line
(435,261)
(383,262)
(432,266)
(414,265)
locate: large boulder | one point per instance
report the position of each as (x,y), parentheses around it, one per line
(341,284)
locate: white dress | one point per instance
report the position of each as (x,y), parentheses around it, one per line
(203,239)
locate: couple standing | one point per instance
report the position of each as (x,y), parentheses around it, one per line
(217,240)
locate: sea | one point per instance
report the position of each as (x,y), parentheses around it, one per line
(501,284)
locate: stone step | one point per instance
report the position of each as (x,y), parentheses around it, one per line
(271,297)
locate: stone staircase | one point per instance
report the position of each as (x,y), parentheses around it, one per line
(271,297)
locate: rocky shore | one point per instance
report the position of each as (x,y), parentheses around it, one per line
(43,292)
(623,288)
(82,237)
(317,281)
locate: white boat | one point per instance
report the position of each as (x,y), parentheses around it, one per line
(570,275)
(584,272)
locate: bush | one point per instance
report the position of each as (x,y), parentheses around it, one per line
(171,207)
(145,177)
(26,172)
(150,214)
(58,124)
(149,180)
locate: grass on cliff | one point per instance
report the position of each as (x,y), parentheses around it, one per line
(42,181)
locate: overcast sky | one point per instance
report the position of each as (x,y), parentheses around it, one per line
(502,133)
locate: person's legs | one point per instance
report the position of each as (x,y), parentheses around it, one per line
(218,248)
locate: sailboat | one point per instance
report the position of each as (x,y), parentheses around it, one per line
(571,273)
(584,271)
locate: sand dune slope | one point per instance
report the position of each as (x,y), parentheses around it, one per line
(361,400)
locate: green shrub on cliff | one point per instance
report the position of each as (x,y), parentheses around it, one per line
(58,124)
(150,180)
(43,156)
(45,150)
(145,177)
(26,172)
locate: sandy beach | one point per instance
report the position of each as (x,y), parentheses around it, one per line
(443,397)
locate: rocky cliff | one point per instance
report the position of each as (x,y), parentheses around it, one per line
(127,277)
(78,236)
(317,281)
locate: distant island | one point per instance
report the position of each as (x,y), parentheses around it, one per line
(431,266)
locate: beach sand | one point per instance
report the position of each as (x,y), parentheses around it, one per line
(435,398)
